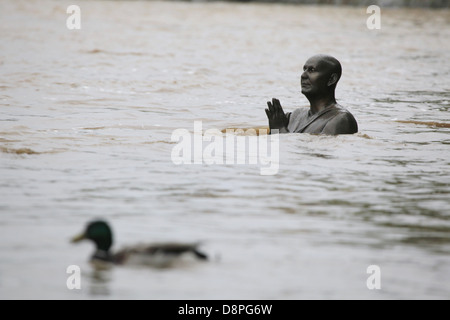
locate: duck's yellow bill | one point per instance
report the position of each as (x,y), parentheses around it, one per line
(78,238)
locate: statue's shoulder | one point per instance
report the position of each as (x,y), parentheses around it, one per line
(342,121)
(297,118)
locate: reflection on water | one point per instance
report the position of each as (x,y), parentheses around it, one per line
(86,120)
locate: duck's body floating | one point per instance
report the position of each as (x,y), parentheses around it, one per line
(157,255)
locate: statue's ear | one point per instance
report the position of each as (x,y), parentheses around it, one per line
(333,79)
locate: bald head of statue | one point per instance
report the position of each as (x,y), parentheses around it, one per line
(320,76)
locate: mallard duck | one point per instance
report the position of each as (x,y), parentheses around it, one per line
(160,255)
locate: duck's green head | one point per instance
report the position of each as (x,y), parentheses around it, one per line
(99,232)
